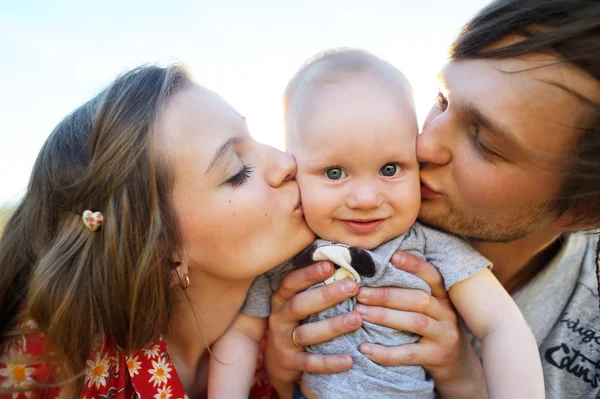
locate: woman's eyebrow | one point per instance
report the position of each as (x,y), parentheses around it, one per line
(221,151)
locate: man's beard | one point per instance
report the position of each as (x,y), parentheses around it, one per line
(502,226)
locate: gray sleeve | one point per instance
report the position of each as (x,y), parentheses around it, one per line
(258,299)
(454,257)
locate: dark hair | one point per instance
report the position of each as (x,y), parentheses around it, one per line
(571,29)
(78,285)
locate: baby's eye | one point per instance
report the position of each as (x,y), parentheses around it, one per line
(389,169)
(335,173)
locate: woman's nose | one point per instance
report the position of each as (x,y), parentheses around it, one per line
(279,166)
(364,196)
(435,142)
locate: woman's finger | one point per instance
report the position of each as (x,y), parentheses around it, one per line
(313,363)
(301,305)
(420,268)
(325,330)
(399,320)
(299,280)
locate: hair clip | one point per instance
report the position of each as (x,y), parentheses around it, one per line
(91,220)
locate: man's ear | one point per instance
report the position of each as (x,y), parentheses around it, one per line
(362,262)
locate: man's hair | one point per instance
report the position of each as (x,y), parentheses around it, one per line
(571,29)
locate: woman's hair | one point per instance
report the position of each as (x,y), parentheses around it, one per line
(113,284)
(571,29)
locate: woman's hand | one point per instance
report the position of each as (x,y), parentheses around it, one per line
(284,360)
(443,350)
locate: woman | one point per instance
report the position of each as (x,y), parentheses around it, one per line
(186,210)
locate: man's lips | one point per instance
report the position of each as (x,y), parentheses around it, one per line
(428,192)
(363,226)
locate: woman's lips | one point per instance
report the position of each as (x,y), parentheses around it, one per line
(363,227)
(427,192)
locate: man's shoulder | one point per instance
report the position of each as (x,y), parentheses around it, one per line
(571,351)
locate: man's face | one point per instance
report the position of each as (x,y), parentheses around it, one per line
(493,147)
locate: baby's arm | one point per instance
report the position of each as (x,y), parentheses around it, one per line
(511,361)
(233,359)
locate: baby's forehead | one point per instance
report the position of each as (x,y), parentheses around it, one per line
(357,105)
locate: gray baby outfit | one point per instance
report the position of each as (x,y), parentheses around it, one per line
(456,261)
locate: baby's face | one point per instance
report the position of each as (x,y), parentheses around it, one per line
(354,142)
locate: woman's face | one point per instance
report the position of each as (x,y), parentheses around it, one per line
(237,200)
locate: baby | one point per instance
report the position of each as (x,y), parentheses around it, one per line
(351,125)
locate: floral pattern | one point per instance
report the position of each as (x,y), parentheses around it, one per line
(109,373)
(96,372)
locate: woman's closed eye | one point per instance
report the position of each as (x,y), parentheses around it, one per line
(239,178)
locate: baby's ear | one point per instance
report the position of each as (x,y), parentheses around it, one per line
(305,257)
(362,262)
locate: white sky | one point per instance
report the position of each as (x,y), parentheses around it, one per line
(54,55)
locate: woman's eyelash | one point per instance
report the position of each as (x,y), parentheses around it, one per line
(241,177)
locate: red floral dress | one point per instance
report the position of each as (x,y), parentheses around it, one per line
(109,373)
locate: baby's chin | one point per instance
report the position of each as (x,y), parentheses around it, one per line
(369,241)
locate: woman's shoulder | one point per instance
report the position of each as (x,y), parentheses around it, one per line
(24,367)
(148,372)
(25,371)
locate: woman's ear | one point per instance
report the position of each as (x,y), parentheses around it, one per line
(179,274)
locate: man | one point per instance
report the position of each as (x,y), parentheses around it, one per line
(510,159)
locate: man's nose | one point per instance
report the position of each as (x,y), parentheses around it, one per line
(435,143)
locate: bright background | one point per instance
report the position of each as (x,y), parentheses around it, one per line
(54,55)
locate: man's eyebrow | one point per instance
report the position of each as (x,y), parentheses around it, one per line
(221,151)
(493,126)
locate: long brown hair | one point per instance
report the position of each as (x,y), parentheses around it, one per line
(79,286)
(571,29)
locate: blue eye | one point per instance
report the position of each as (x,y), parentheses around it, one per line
(335,173)
(240,178)
(389,169)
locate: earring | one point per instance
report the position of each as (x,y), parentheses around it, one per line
(187,283)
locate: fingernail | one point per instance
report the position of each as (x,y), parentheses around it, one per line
(363,294)
(344,360)
(397,258)
(366,349)
(348,287)
(362,309)
(351,320)
(323,267)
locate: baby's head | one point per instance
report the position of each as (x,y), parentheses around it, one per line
(351,125)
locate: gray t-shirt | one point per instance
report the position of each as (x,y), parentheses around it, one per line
(561,306)
(456,261)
